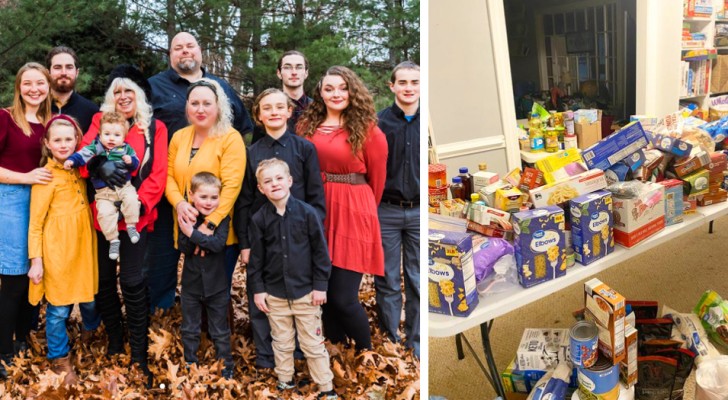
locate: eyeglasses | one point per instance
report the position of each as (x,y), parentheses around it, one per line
(289,67)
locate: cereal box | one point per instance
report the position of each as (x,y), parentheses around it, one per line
(606,308)
(451,273)
(673,201)
(563,191)
(539,245)
(591,226)
(542,349)
(636,219)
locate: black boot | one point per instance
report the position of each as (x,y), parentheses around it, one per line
(109,307)
(7,359)
(136,300)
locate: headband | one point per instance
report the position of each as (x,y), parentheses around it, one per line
(201,83)
(63,117)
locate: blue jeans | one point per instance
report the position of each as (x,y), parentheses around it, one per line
(400,228)
(56,333)
(89,316)
(14,218)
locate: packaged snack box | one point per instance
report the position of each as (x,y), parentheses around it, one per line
(451,273)
(673,201)
(636,219)
(539,245)
(606,308)
(696,183)
(542,349)
(672,145)
(628,366)
(551,165)
(591,226)
(692,163)
(615,147)
(563,191)
(508,199)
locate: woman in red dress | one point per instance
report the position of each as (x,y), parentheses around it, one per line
(342,124)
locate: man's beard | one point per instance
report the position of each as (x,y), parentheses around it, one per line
(188,66)
(63,87)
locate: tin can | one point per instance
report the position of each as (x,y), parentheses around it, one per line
(437,175)
(600,382)
(584,337)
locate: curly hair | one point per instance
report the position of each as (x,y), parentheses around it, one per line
(358,117)
(143,113)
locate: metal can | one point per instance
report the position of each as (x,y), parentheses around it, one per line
(600,382)
(584,337)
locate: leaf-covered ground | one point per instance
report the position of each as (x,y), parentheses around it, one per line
(387,372)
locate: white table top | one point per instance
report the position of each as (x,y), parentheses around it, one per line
(491,307)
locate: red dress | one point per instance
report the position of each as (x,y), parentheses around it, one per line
(352,225)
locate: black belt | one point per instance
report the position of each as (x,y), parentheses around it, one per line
(402,203)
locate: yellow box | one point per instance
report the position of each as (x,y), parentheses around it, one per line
(551,165)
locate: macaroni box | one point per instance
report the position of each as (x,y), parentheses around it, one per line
(606,308)
(539,245)
(616,147)
(673,201)
(451,273)
(563,191)
(636,219)
(542,349)
(591,226)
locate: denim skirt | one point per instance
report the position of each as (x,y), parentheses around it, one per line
(14,218)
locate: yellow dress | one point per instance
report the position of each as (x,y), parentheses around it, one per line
(61,232)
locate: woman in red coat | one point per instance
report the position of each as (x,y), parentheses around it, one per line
(342,124)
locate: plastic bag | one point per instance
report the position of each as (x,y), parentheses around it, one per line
(713,313)
(504,278)
(711,379)
(486,252)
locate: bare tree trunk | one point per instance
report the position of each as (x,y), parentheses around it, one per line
(171,25)
(255,46)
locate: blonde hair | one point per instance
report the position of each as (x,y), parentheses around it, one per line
(63,120)
(17,111)
(271,163)
(204,178)
(143,113)
(113,117)
(224,123)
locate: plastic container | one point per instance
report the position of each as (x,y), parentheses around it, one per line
(457,189)
(467,181)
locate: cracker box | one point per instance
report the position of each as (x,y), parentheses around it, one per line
(636,219)
(591,226)
(628,366)
(539,245)
(563,191)
(542,349)
(673,201)
(606,308)
(692,163)
(451,273)
(615,147)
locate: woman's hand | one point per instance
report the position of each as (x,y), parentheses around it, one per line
(36,270)
(38,176)
(186,213)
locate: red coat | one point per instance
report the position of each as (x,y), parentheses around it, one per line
(152,188)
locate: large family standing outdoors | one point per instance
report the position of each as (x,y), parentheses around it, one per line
(328,191)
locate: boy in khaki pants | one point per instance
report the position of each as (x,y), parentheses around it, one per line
(288,273)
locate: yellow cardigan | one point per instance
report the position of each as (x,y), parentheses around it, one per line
(61,231)
(223,156)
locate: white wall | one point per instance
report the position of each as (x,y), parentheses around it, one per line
(465,108)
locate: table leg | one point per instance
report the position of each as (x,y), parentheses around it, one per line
(710,227)
(485,334)
(459,346)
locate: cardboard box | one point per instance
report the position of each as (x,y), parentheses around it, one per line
(696,183)
(672,145)
(606,308)
(708,199)
(648,122)
(508,199)
(628,366)
(515,381)
(532,178)
(542,349)
(451,273)
(673,201)
(563,191)
(637,219)
(482,179)
(554,163)
(591,226)
(690,204)
(488,193)
(688,165)
(539,245)
(588,133)
(616,147)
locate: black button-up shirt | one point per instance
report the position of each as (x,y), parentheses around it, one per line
(78,107)
(169,98)
(302,159)
(204,276)
(288,256)
(403,162)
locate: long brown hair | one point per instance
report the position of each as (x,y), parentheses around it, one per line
(17,111)
(58,120)
(359,115)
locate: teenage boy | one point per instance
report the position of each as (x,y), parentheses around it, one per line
(289,273)
(399,210)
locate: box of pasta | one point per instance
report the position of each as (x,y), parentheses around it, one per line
(451,273)
(591,226)
(539,245)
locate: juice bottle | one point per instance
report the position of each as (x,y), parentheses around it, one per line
(535,135)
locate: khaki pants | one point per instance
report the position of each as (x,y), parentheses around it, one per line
(310,337)
(108,214)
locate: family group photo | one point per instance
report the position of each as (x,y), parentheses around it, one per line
(210,199)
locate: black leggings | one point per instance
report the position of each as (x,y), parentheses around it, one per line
(343,315)
(15,311)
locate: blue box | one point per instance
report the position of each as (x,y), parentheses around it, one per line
(617,173)
(615,147)
(539,245)
(592,220)
(451,273)
(673,201)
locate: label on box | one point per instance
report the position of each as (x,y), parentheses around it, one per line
(606,308)
(591,226)
(563,191)
(539,245)
(451,273)
(616,147)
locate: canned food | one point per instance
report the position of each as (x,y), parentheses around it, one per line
(600,382)
(584,337)
(437,175)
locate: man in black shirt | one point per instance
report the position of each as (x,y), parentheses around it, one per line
(62,63)
(399,210)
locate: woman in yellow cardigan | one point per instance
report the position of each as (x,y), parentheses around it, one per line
(211,144)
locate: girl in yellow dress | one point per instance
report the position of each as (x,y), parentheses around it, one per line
(61,243)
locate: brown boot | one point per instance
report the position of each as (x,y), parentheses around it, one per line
(63,364)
